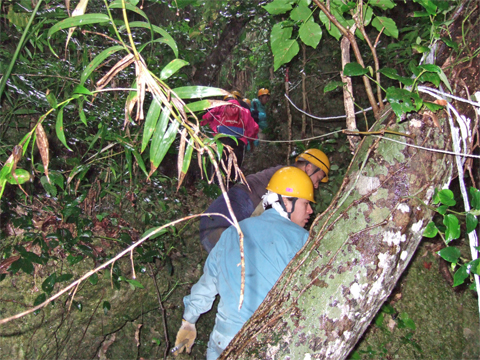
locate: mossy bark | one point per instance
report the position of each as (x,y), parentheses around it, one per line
(358,249)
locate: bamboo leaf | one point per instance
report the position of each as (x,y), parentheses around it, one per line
(150,122)
(167,38)
(97,60)
(43,148)
(199,105)
(158,136)
(164,144)
(117,4)
(79,10)
(194,92)
(171,68)
(76,21)
(59,128)
(140,162)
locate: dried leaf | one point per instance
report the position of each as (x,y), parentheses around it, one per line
(119,66)
(42,144)
(181,154)
(432,116)
(137,334)
(441,102)
(79,10)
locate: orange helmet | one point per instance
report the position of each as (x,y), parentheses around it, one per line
(263,91)
(237,94)
(247,101)
(291,181)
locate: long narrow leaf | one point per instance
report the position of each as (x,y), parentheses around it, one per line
(193,92)
(165,143)
(150,122)
(117,4)
(97,60)
(199,105)
(171,68)
(76,21)
(59,128)
(140,162)
(168,39)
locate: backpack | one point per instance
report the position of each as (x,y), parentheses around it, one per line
(231,122)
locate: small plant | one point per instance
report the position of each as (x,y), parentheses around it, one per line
(450,230)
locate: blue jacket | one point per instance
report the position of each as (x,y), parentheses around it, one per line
(262,113)
(270,242)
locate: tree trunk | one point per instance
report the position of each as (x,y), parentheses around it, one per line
(358,248)
(208,72)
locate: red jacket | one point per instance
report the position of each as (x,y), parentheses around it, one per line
(213,118)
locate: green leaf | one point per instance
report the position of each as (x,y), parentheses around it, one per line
(285,53)
(432,107)
(93,279)
(446,196)
(474,198)
(64,277)
(281,32)
(50,188)
(188,157)
(453,227)
(368,14)
(420,48)
(49,283)
(135,283)
(72,260)
(442,210)
(59,128)
(300,13)
(171,68)
(401,100)
(380,22)
(194,92)
(450,254)
(52,100)
(277,7)
(383,4)
(430,230)
(21,177)
(428,5)
(332,86)
(167,38)
(474,266)
(76,21)
(379,319)
(409,323)
(80,89)
(310,33)
(162,140)
(150,122)
(460,276)
(118,4)
(354,69)
(106,307)
(450,43)
(40,299)
(198,105)
(149,231)
(472,222)
(97,60)
(332,29)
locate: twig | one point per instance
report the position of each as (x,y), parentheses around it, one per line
(165,330)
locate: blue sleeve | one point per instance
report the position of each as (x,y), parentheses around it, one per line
(203,292)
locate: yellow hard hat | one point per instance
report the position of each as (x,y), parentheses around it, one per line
(317,158)
(237,94)
(247,101)
(292,182)
(263,91)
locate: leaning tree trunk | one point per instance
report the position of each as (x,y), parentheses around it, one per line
(358,248)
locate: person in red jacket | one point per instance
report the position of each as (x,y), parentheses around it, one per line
(235,121)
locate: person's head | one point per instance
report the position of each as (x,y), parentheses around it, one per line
(247,101)
(237,94)
(315,164)
(263,95)
(290,192)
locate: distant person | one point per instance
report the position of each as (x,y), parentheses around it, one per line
(235,121)
(271,240)
(313,162)
(258,111)
(238,96)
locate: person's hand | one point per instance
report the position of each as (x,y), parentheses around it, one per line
(185,338)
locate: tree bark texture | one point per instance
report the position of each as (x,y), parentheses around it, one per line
(208,72)
(358,248)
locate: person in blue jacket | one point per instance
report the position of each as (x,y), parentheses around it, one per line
(259,112)
(244,200)
(271,240)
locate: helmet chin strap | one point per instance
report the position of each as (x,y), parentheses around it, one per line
(282,203)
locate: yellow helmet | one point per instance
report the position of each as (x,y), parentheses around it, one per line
(263,91)
(317,158)
(292,182)
(237,94)
(247,101)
